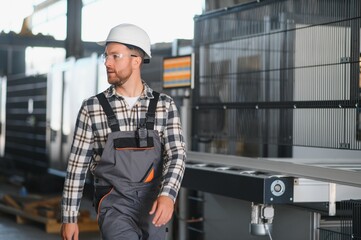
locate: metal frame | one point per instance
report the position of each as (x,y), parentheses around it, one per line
(288,166)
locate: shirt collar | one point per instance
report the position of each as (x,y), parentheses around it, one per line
(147,92)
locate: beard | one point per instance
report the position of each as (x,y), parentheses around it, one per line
(118,78)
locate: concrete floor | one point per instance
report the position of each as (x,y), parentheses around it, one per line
(10,229)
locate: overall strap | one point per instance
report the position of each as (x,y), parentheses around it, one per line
(150,116)
(112,120)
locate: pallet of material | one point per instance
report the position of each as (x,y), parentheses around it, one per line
(44,211)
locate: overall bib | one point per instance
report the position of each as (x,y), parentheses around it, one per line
(127,179)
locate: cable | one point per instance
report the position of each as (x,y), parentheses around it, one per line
(268,231)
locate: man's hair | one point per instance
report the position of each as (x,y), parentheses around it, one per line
(137,49)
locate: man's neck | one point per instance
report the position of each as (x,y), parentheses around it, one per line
(131,89)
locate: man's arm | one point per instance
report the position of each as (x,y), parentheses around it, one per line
(175,150)
(79,159)
(174,145)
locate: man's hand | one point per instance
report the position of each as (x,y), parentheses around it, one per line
(163,208)
(69,231)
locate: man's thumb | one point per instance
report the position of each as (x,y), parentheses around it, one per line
(154,207)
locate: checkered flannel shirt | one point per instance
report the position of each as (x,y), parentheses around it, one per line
(90,136)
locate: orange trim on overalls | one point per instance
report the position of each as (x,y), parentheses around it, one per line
(150,176)
(101,200)
(133,148)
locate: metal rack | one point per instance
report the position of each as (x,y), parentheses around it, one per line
(350,223)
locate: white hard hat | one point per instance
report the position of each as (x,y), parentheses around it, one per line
(130,34)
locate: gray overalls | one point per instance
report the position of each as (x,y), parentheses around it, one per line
(127,179)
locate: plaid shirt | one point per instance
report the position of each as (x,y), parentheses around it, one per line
(91,133)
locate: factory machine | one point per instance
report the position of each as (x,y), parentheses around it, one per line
(275,137)
(316,188)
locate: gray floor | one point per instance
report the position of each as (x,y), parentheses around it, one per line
(11,230)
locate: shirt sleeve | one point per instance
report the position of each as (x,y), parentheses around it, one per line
(175,154)
(79,159)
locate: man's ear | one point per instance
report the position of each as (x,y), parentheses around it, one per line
(138,60)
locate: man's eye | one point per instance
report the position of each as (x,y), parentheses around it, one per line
(117,56)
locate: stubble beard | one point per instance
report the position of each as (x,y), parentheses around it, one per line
(118,80)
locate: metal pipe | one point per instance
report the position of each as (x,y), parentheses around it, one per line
(183,192)
(332,199)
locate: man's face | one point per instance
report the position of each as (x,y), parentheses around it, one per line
(118,62)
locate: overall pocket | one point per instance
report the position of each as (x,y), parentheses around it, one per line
(134,165)
(100,192)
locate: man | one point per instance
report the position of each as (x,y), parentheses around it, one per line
(130,138)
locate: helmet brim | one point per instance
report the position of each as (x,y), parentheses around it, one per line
(102,43)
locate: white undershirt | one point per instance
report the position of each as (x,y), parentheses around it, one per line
(131,101)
